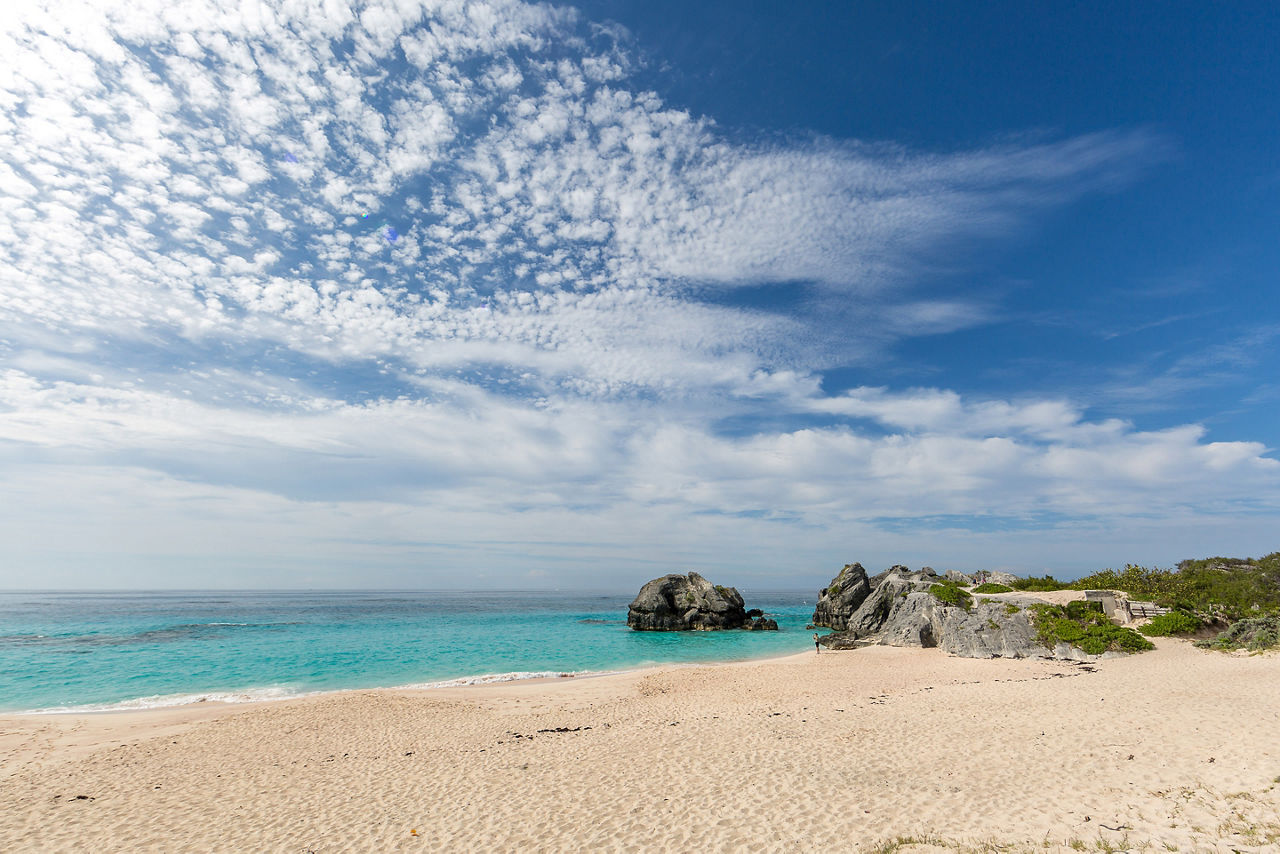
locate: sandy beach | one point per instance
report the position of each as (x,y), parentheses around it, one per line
(879,749)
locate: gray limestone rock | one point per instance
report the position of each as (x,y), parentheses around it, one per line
(990,631)
(875,580)
(844,640)
(875,610)
(841,597)
(998,577)
(902,611)
(958,576)
(686,603)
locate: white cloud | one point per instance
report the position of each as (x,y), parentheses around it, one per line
(466,467)
(991,458)
(262,131)
(557,316)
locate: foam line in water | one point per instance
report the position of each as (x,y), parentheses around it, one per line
(160,701)
(491,678)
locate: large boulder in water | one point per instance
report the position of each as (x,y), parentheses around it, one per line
(839,599)
(675,603)
(761,624)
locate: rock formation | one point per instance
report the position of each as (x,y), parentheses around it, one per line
(875,580)
(997,577)
(691,603)
(903,610)
(839,599)
(761,624)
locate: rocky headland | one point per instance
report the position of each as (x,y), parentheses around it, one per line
(842,597)
(679,603)
(899,607)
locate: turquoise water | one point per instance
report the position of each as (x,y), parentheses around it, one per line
(63,651)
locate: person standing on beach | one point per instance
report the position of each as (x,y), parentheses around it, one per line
(817,648)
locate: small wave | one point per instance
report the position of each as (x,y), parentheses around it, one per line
(591,622)
(161,701)
(491,678)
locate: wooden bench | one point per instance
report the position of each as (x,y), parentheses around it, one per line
(1146,609)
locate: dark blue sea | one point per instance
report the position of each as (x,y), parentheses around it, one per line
(106,651)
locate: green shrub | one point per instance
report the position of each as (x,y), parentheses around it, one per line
(1081,608)
(1172,623)
(1091,631)
(1253,633)
(989,587)
(1010,608)
(1039,585)
(950,593)
(1218,586)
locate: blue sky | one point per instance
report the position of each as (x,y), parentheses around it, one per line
(453,295)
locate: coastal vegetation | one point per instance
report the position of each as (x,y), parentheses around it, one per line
(1252,633)
(1226,588)
(991,587)
(952,593)
(1034,584)
(1172,623)
(1241,592)
(1085,628)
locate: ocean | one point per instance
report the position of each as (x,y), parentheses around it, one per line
(116,651)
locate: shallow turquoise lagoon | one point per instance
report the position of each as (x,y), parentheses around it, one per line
(137,650)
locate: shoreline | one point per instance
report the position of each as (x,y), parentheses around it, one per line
(200,698)
(845,750)
(289,648)
(81,731)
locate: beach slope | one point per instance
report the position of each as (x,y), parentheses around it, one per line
(875,749)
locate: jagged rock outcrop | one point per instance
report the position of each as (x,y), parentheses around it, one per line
(902,611)
(839,599)
(675,603)
(958,577)
(875,580)
(998,577)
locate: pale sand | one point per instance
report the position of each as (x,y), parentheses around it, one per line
(1177,749)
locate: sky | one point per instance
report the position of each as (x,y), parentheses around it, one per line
(465,295)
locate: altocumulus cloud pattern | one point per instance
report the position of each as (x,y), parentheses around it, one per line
(441,279)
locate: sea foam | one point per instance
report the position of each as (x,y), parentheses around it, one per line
(161,701)
(491,678)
